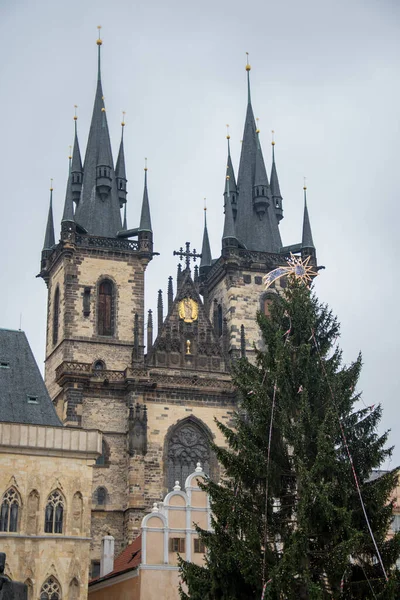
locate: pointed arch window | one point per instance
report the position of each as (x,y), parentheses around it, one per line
(187,444)
(54,513)
(9,511)
(104,459)
(56,314)
(50,590)
(105,308)
(100,496)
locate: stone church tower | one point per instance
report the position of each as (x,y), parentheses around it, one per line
(156,410)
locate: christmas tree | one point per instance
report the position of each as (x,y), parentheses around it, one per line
(300,512)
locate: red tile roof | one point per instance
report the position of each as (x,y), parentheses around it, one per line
(128,560)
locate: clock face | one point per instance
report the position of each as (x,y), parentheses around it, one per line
(188,310)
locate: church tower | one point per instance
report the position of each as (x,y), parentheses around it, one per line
(156,410)
(251,245)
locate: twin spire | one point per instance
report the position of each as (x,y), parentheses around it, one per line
(96,191)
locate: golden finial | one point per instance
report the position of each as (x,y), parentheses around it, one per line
(228,137)
(123,119)
(257,130)
(205,204)
(70,153)
(227,177)
(304,186)
(145,164)
(273,140)
(51,184)
(188,347)
(75,115)
(103,109)
(99,40)
(248,67)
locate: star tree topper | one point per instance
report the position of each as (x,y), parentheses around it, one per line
(297,267)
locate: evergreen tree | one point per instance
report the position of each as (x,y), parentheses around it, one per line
(287,512)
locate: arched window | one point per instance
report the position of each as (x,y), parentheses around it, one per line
(100,496)
(187,444)
(105,308)
(32,510)
(99,365)
(104,458)
(56,312)
(9,511)
(29,586)
(219,320)
(266,302)
(77,512)
(53,520)
(50,590)
(74,590)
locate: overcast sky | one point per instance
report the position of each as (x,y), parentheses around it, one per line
(325,77)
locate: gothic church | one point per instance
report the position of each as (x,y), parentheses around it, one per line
(154,400)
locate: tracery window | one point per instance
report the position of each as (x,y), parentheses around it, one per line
(53,521)
(104,459)
(9,511)
(50,590)
(56,310)
(105,308)
(100,496)
(187,445)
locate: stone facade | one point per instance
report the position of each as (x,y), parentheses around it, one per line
(37,461)
(166,531)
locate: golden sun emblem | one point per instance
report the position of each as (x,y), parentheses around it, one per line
(188,310)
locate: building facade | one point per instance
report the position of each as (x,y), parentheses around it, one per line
(155,408)
(45,482)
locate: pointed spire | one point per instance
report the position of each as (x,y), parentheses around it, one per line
(125,225)
(230,181)
(206,257)
(76,164)
(98,209)
(145,219)
(170,294)
(49,240)
(159,311)
(68,213)
(149,330)
(229,233)
(99,44)
(120,172)
(307,239)
(248,69)
(274,184)
(256,223)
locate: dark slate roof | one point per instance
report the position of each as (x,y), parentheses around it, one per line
(307,239)
(257,234)
(145,220)
(229,223)
(98,217)
(230,173)
(206,257)
(49,239)
(19,378)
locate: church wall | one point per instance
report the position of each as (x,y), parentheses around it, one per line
(46,459)
(241,298)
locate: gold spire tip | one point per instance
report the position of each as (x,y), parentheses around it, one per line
(75,114)
(99,40)
(273,140)
(248,67)
(228,137)
(205,204)
(304,185)
(123,119)
(145,164)
(70,153)
(258,129)
(51,184)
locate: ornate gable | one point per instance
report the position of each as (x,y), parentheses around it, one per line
(187,339)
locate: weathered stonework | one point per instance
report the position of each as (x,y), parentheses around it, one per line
(35,461)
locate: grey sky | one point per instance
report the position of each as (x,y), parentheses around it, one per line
(325,77)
